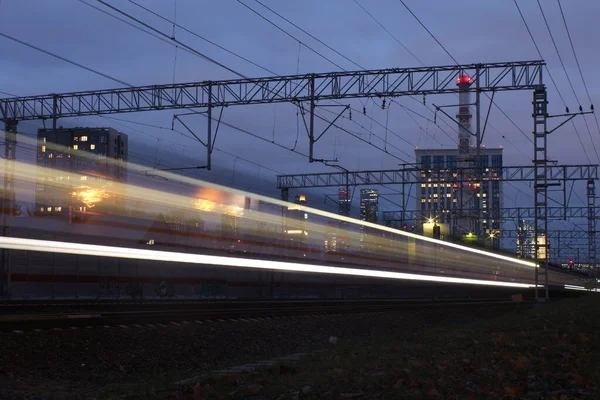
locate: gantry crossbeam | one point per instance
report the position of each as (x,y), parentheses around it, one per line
(509,213)
(418,176)
(520,75)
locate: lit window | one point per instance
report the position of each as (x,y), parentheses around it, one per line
(448,195)
(43,149)
(454,201)
(75,147)
(44,139)
(75,139)
(92,147)
(49,155)
(42,209)
(83,139)
(150,242)
(49,208)
(58,208)
(435,195)
(422,200)
(422,185)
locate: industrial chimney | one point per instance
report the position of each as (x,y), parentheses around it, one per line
(464,116)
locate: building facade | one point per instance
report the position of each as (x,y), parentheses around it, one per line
(369,212)
(296,221)
(86,162)
(446,196)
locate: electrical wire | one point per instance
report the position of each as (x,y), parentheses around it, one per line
(64,59)
(428,31)
(389,33)
(568,78)
(322,56)
(204,56)
(578,64)
(551,77)
(202,37)
(558,52)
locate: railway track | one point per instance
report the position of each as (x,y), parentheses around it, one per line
(132,314)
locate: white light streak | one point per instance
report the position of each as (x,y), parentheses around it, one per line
(132,253)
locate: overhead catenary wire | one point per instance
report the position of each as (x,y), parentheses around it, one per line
(165,35)
(388,32)
(551,77)
(31,46)
(567,76)
(318,53)
(585,86)
(562,63)
(428,31)
(200,54)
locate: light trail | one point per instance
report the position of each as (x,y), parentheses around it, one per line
(132,253)
(199,183)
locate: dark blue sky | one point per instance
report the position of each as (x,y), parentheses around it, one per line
(472,31)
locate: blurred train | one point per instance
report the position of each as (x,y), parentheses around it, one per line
(255,235)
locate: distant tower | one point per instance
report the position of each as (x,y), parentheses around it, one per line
(463,222)
(369,211)
(464,116)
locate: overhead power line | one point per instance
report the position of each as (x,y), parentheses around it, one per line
(64,59)
(551,77)
(568,80)
(428,31)
(558,52)
(201,37)
(388,32)
(204,56)
(578,64)
(330,61)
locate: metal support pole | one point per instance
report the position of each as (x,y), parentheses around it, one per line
(591,200)
(564,185)
(8,199)
(311,131)
(479,164)
(209,130)
(540,161)
(348,198)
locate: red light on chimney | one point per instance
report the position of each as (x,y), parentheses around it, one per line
(464,79)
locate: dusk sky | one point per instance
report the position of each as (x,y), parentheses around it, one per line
(472,31)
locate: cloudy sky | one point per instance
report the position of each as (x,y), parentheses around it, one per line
(471,31)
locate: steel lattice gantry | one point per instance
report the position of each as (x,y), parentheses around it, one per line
(511,213)
(521,75)
(418,176)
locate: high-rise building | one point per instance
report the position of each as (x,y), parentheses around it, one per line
(89,179)
(296,221)
(369,211)
(444,201)
(344,201)
(369,205)
(330,236)
(525,239)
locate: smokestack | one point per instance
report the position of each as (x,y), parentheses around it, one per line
(464,115)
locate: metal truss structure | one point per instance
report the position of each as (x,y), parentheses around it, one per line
(522,75)
(555,213)
(551,234)
(558,173)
